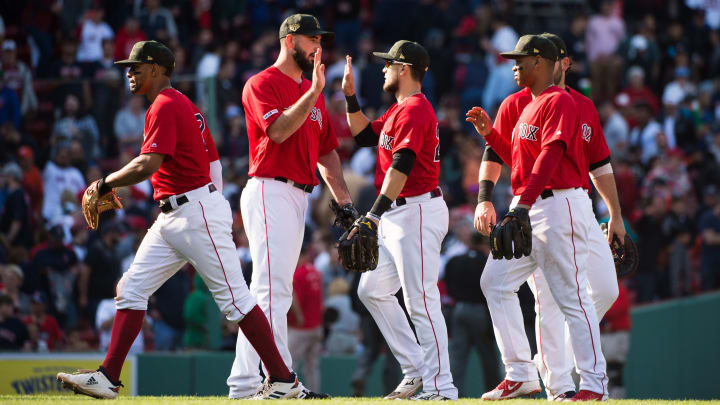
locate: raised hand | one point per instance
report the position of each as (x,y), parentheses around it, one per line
(348,81)
(318,75)
(485,217)
(480,120)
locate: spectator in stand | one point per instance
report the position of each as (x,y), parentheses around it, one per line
(615,341)
(642,49)
(471,325)
(13,333)
(93,31)
(638,91)
(57,266)
(127,36)
(680,88)
(604,33)
(677,230)
(709,228)
(71,73)
(15,214)
(12,278)
(130,125)
(651,247)
(167,321)
(305,319)
(32,181)
(97,281)
(615,128)
(158,22)
(107,83)
(43,328)
(500,81)
(644,137)
(74,126)
(344,330)
(59,176)
(18,77)
(195,316)
(671,170)
(9,104)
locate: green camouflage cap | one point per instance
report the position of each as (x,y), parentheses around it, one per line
(408,52)
(150,52)
(533,45)
(303,24)
(558,42)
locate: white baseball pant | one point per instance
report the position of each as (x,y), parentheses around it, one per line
(555,357)
(410,237)
(561,225)
(273,215)
(198,232)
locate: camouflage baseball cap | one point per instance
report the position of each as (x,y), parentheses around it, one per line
(558,42)
(532,45)
(150,52)
(303,24)
(408,52)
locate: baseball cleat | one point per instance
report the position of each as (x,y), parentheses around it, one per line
(408,387)
(428,396)
(305,393)
(512,389)
(565,396)
(278,389)
(585,395)
(92,383)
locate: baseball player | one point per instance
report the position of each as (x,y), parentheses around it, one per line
(179,156)
(412,221)
(290,135)
(548,170)
(554,366)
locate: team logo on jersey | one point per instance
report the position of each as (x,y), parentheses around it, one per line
(316,115)
(526,131)
(386,141)
(586,132)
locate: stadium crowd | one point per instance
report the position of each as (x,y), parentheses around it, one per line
(66,118)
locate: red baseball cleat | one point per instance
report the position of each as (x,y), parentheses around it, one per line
(585,395)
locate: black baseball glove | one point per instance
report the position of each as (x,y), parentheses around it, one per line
(514,238)
(345,215)
(625,255)
(359,253)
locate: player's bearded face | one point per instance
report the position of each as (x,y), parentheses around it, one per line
(557,72)
(136,77)
(304,61)
(392,82)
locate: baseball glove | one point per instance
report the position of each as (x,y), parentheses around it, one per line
(94,204)
(625,255)
(359,253)
(514,238)
(345,215)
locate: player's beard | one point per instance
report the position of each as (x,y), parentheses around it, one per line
(391,86)
(301,58)
(557,75)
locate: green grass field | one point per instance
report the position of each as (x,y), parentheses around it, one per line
(76,399)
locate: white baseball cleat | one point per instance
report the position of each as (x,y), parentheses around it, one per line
(276,389)
(512,389)
(305,393)
(92,383)
(408,387)
(428,396)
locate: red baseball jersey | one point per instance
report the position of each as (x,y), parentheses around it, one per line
(594,144)
(265,96)
(175,128)
(508,114)
(410,125)
(549,117)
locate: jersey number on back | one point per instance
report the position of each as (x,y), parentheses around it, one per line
(201,121)
(437,148)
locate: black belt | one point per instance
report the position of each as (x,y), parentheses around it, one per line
(304,187)
(401,200)
(548,193)
(166,207)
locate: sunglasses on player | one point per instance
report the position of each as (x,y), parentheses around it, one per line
(389,63)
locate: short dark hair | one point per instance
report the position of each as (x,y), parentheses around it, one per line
(417,73)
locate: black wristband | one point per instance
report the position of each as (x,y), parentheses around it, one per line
(351,104)
(491,156)
(382,204)
(485,189)
(103,188)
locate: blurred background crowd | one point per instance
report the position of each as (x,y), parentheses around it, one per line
(66,118)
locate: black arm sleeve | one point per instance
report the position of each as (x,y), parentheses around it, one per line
(491,156)
(403,161)
(367,137)
(603,162)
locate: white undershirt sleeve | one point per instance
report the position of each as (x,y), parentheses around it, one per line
(216,175)
(602,170)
